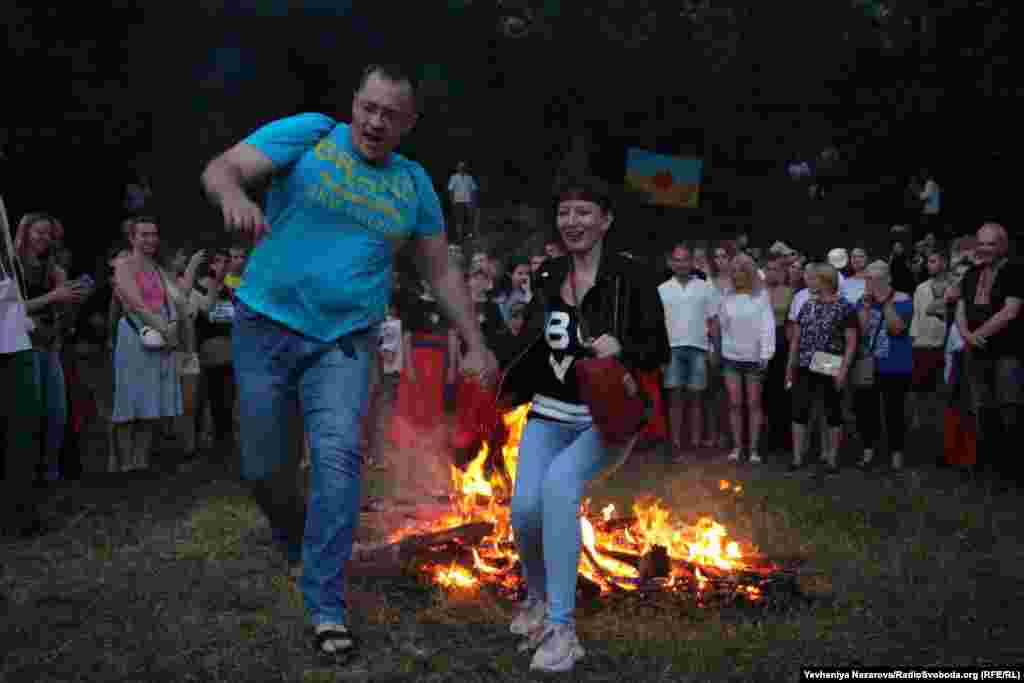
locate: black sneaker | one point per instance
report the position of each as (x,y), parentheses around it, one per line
(831,470)
(795,468)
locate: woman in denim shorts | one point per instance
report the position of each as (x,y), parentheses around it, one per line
(748,343)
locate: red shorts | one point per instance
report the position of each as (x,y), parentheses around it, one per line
(928,366)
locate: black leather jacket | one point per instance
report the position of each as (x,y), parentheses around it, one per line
(641,326)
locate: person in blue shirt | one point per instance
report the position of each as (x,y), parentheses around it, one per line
(315,291)
(885,316)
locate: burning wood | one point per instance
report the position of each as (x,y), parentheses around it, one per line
(473,546)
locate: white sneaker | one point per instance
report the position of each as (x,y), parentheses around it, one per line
(897,460)
(530,617)
(755,458)
(734,456)
(532,640)
(559,650)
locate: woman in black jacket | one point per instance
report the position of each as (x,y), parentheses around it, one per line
(588,303)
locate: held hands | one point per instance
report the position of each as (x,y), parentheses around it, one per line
(242,215)
(605,346)
(480,362)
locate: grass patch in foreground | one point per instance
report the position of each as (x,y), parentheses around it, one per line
(680,636)
(216,530)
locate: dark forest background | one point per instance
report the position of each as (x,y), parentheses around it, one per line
(91,93)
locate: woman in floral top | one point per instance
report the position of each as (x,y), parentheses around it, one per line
(827,323)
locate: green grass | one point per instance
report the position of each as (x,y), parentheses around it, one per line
(216,530)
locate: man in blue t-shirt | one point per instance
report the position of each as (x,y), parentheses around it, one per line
(316,289)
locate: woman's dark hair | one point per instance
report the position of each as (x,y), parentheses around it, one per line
(135,220)
(516,263)
(586,189)
(116,248)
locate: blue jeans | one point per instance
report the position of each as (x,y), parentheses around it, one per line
(274,366)
(556,461)
(50,380)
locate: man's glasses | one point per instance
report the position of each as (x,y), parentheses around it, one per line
(390,117)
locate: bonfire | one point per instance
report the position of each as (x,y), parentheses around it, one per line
(472,545)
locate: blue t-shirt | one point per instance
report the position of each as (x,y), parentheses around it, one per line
(893,355)
(335,221)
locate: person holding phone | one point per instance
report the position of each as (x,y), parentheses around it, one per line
(885,316)
(49,294)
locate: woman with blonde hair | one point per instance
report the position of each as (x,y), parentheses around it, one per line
(885,316)
(825,330)
(47,297)
(748,343)
(146,383)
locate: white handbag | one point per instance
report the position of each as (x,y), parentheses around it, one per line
(826,363)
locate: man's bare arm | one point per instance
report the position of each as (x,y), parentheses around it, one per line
(998,322)
(450,286)
(229,174)
(224,182)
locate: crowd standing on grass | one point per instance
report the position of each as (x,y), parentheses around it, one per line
(766,351)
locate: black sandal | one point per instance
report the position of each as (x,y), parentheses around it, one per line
(335,633)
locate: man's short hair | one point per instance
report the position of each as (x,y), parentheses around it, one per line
(681,244)
(395,73)
(587,189)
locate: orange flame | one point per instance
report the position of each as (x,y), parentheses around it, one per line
(480,495)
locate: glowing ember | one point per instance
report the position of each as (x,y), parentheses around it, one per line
(724,485)
(455,576)
(608,511)
(615,549)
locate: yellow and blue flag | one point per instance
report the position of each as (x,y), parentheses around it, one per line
(667,180)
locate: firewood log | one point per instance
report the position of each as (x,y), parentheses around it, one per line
(379,557)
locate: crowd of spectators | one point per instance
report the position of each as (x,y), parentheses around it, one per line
(925,336)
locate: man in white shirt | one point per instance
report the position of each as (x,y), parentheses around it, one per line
(691,310)
(462,191)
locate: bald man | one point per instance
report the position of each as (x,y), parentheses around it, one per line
(988,318)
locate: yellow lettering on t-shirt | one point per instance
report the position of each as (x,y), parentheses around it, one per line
(346,164)
(325,150)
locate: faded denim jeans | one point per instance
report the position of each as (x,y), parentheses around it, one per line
(274,366)
(556,463)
